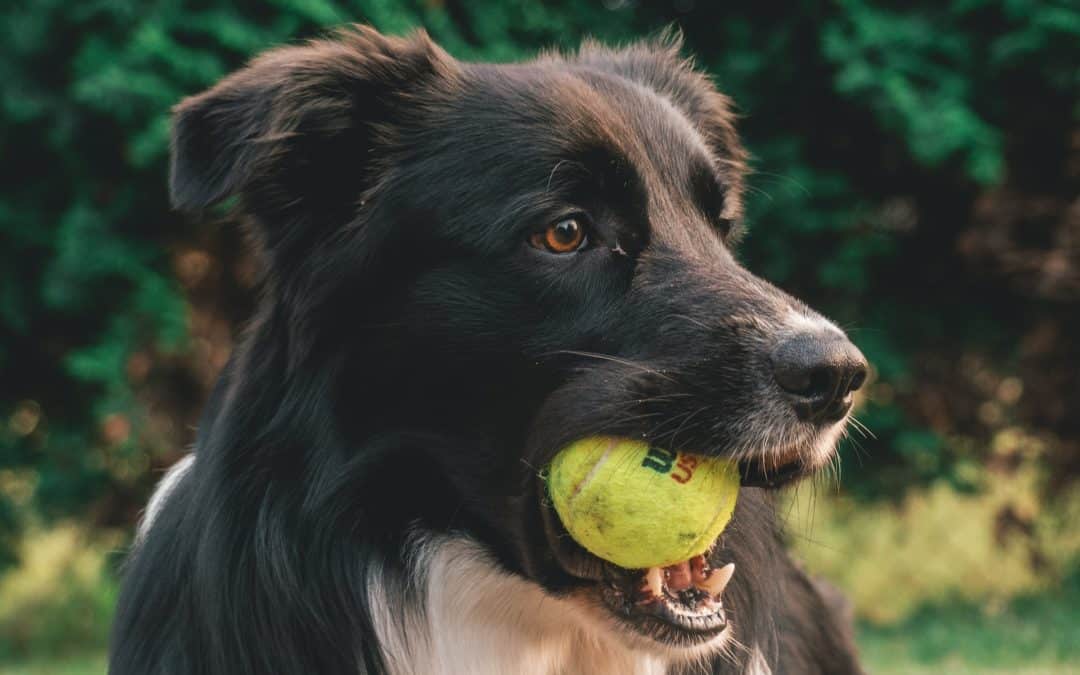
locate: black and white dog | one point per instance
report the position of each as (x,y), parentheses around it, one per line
(468,266)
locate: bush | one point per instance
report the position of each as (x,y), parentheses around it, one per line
(914,177)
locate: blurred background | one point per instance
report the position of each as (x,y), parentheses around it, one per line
(916,177)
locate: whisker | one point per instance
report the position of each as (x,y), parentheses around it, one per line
(615,359)
(865,429)
(656,431)
(783,178)
(756,190)
(687,421)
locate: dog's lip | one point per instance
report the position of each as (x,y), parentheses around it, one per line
(665,617)
(654,603)
(569,555)
(754,473)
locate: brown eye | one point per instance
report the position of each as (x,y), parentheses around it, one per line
(565,236)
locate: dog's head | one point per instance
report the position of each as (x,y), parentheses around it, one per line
(473,265)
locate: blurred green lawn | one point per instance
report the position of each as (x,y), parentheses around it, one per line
(1037,635)
(84,665)
(928,601)
(1040,639)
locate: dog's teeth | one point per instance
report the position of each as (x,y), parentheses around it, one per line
(654,581)
(699,569)
(678,576)
(715,583)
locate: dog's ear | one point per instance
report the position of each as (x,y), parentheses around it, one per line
(299,123)
(658,64)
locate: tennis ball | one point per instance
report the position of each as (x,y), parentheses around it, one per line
(640,506)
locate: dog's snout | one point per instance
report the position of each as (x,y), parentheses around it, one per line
(819,372)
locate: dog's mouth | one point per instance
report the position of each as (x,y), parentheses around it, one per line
(679,605)
(756,473)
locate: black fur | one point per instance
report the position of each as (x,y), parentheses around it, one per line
(413,361)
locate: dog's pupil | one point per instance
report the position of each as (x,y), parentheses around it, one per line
(566,231)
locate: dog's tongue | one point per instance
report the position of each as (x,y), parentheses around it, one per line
(694,572)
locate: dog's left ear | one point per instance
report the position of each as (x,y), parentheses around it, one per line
(296,132)
(658,64)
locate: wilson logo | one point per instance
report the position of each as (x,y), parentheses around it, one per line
(679,466)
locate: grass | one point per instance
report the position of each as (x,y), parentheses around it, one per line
(59,601)
(1039,633)
(92,664)
(934,593)
(1034,635)
(937,546)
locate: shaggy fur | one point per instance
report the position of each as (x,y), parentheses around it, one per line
(364,492)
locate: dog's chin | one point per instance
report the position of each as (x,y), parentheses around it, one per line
(781,466)
(681,606)
(780,470)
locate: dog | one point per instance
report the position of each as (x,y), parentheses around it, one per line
(467,267)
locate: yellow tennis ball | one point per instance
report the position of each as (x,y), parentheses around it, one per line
(640,506)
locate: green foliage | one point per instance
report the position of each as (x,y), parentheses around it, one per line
(874,126)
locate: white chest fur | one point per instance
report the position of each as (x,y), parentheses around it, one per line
(478,620)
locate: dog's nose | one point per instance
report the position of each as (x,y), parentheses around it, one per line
(819,371)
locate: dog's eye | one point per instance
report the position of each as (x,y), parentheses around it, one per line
(565,236)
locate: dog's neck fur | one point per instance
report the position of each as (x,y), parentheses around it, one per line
(477,619)
(471,617)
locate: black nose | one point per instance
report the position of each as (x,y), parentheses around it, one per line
(819,371)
